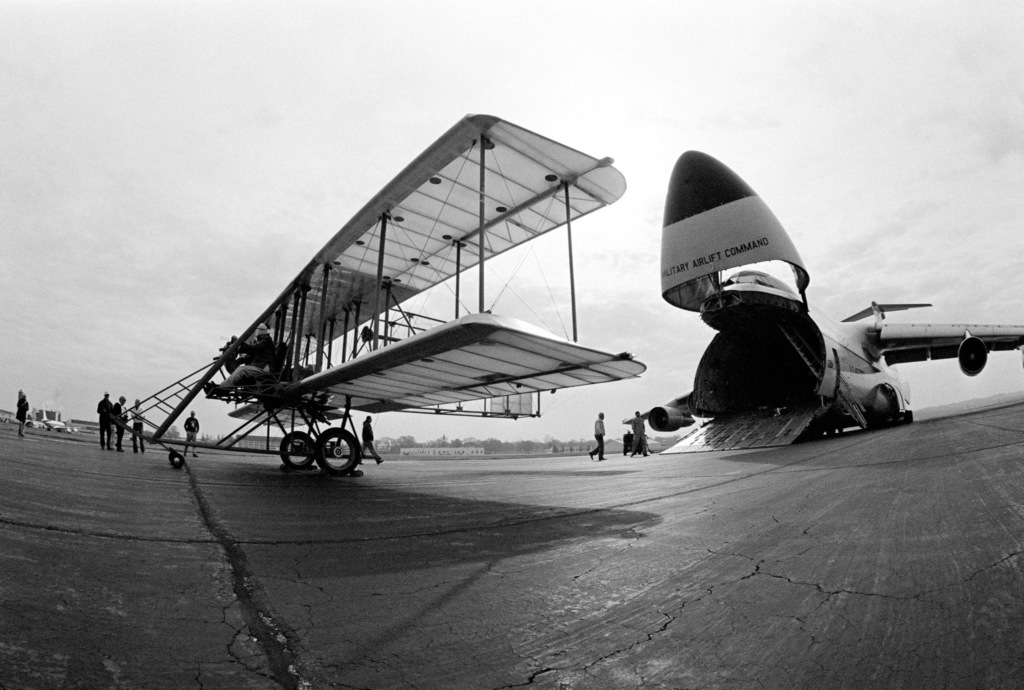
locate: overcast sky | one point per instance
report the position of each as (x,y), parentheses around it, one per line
(166,168)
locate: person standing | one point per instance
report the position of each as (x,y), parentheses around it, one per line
(599,435)
(639,435)
(138,441)
(105,409)
(368,441)
(22,413)
(120,418)
(191,430)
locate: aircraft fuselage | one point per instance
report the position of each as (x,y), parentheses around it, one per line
(771,352)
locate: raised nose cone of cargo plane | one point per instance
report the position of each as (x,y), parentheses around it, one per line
(700,183)
(714,222)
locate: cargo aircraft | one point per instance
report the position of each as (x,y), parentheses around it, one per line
(344,336)
(778,369)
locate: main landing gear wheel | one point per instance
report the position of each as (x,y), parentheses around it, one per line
(297,450)
(176,459)
(337,452)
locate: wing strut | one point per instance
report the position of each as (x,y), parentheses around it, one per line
(380,279)
(355,327)
(459,244)
(323,322)
(485,143)
(572,274)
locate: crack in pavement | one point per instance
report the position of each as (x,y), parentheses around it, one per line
(275,639)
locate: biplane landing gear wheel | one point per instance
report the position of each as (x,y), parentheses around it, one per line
(297,450)
(337,452)
(176,459)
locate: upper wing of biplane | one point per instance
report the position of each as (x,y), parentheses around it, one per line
(482,188)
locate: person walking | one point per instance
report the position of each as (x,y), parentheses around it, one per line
(105,410)
(138,441)
(639,435)
(191,430)
(599,435)
(22,413)
(368,448)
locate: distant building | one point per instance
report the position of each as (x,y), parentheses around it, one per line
(41,415)
(445,452)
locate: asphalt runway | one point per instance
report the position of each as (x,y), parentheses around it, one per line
(886,559)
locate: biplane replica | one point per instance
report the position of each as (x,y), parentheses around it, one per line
(340,338)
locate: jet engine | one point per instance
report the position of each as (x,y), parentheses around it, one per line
(671,416)
(972,355)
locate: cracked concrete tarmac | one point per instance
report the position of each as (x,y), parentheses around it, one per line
(890,559)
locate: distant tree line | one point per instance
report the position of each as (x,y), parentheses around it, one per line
(494,446)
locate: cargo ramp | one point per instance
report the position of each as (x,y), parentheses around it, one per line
(761,428)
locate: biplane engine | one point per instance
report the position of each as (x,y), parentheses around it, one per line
(671,416)
(972,355)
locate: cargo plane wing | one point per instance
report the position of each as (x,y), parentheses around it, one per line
(341,336)
(778,369)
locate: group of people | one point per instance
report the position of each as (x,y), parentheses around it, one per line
(638,432)
(114,418)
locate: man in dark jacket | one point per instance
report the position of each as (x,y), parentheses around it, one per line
(119,417)
(368,448)
(105,410)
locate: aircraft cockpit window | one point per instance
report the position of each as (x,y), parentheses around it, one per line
(757,278)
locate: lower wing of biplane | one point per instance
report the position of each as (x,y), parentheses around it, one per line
(480,356)
(341,339)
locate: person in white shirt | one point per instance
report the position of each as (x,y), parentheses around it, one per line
(599,435)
